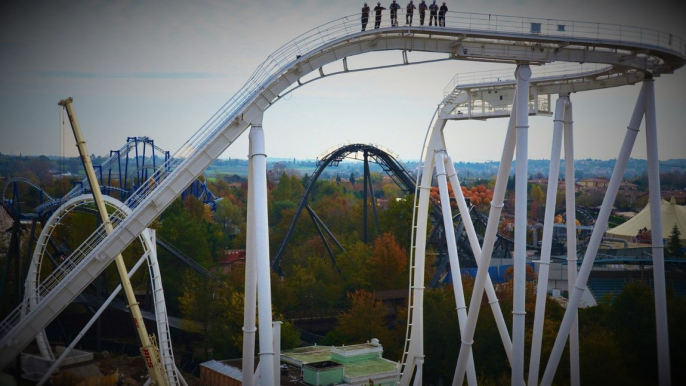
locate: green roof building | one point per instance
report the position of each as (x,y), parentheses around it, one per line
(349,365)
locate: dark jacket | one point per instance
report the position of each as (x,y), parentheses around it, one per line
(410,8)
(378,10)
(433,8)
(442,10)
(365,11)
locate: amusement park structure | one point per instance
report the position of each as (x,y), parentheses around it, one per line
(629,55)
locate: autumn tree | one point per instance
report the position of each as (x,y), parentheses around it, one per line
(388,265)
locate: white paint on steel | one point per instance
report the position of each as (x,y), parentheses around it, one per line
(489,241)
(458,289)
(119,210)
(546,245)
(257,199)
(476,248)
(596,238)
(575,375)
(523,74)
(413,354)
(663,360)
(161,317)
(33,277)
(250,296)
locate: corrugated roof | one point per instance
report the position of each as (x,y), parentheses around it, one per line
(224,369)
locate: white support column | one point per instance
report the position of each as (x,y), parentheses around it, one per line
(488,244)
(656,230)
(570,197)
(415,349)
(523,74)
(454,261)
(258,203)
(276,332)
(476,248)
(596,237)
(250,297)
(544,263)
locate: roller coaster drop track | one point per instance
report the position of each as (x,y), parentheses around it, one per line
(521,41)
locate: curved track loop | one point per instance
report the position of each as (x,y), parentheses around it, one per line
(33,277)
(118,210)
(467,37)
(387,161)
(26,181)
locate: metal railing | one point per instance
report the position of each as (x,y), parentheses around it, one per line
(561,69)
(327,33)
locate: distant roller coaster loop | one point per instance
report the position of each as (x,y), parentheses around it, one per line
(388,163)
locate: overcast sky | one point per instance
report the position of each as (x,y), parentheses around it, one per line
(162,68)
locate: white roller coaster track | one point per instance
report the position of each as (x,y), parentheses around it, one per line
(119,211)
(476,37)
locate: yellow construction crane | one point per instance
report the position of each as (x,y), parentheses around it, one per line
(149,349)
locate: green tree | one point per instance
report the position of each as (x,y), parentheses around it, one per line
(537,195)
(284,189)
(397,219)
(215,311)
(229,216)
(366,319)
(674,244)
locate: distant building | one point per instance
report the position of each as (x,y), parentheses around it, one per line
(594,183)
(231,259)
(561,184)
(679,196)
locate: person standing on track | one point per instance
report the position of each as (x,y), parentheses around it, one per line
(378,9)
(394,13)
(409,13)
(441,14)
(433,13)
(365,16)
(422,12)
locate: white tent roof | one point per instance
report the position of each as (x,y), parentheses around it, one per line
(672,214)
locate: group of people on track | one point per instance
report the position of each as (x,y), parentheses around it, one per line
(436,14)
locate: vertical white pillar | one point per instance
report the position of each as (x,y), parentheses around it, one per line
(546,245)
(488,244)
(258,202)
(596,237)
(250,297)
(454,261)
(571,241)
(523,74)
(661,326)
(276,332)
